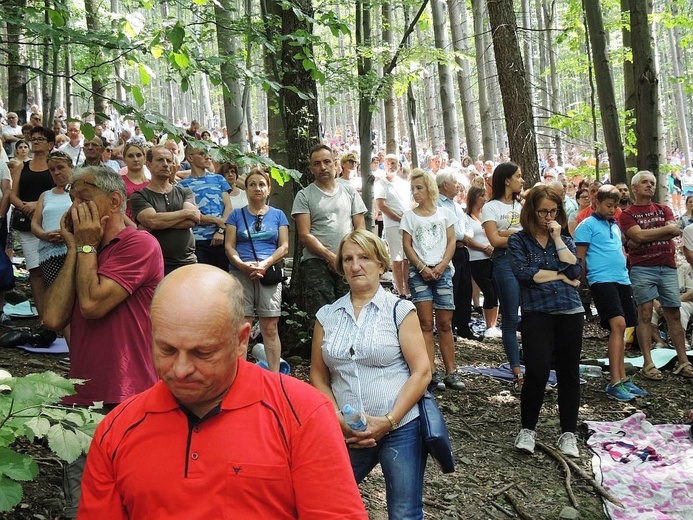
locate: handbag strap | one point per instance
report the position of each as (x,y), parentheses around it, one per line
(394,314)
(250,235)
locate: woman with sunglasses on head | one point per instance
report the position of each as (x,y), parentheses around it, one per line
(239,197)
(27,187)
(256,238)
(547,269)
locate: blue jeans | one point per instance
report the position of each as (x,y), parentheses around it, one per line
(508,290)
(402,457)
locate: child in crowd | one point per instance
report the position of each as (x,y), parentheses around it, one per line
(599,247)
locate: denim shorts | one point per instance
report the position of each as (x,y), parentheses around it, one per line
(438,291)
(656,282)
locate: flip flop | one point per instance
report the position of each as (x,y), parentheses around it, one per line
(684,369)
(650,372)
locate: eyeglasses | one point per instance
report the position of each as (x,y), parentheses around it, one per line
(38,140)
(258,222)
(543,213)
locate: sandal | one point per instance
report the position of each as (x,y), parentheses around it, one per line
(650,372)
(684,370)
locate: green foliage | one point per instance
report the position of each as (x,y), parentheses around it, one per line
(296,329)
(29,410)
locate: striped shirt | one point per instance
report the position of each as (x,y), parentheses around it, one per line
(367,368)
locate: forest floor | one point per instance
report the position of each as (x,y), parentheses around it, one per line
(483,421)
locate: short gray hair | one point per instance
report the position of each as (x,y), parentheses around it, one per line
(445,175)
(642,173)
(105,178)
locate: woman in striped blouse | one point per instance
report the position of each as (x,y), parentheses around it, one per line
(369,353)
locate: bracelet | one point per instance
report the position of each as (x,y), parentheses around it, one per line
(393,424)
(561,248)
(422,269)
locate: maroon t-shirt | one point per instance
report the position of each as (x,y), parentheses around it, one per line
(649,254)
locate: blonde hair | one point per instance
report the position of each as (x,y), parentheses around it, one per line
(429,182)
(373,246)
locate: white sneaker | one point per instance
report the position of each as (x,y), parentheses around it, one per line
(567,445)
(525,440)
(493,333)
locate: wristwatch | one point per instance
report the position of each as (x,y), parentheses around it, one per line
(221,230)
(86,249)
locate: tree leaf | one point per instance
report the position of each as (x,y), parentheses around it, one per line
(17,466)
(145,77)
(10,493)
(176,35)
(181,60)
(38,425)
(137,94)
(157,51)
(64,443)
(57,18)
(88,131)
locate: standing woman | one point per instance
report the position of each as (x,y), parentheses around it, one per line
(257,237)
(239,198)
(45,224)
(582,196)
(134,174)
(545,264)
(27,186)
(687,217)
(22,150)
(428,238)
(480,251)
(368,353)
(500,218)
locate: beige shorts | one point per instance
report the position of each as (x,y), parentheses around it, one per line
(263,301)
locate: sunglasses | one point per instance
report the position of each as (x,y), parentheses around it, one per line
(258,222)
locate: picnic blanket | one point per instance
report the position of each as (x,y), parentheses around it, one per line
(503,372)
(59,346)
(21,310)
(649,468)
(660,357)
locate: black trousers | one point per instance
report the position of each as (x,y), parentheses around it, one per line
(462,288)
(547,336)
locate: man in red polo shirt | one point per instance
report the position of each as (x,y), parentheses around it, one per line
(217,437)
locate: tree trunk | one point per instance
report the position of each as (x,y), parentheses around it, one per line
(16,59)
(550,22)
(389,112)
(487,141)
(513,83)
(365,67)
(628,88)
(542,85)
(646,82)
(232,93)
(494,98)
(98,86)
(675,53)
(605,91)
(460,35)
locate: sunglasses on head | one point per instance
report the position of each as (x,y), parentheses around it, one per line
(258,222)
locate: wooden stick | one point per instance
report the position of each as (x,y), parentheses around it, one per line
(516,505)
(597,487)
(562,461)
(502,490)
(503,509)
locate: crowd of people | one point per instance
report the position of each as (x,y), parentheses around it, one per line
(118,236)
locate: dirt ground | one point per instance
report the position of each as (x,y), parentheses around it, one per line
(483,421)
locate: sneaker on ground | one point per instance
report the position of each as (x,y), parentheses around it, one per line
(437,384)
(493,333)
(454,381)
(633,388)
(567,445)
(526,440)
(618,392)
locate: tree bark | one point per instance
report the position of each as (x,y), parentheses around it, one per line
(675,53)
(513,84)
(98,85)
(487,140)
(459,30)
(646,83)
(605,91)
(389,102)
(550,22)
(16,59)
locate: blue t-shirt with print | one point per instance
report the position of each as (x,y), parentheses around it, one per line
(265,240)
(209,191)
(605,260)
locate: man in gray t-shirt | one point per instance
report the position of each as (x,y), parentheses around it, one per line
(324,212)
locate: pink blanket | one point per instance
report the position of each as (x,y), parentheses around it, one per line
(647,467)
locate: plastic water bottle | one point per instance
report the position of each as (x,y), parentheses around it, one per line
(259,354)
(354,419)
(591,370)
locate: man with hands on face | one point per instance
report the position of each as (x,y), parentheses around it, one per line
(103,291)
(325,212)
(167,211)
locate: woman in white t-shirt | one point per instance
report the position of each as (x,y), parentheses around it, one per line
(428,238)
(500,218)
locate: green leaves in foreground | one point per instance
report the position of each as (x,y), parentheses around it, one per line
(29,409)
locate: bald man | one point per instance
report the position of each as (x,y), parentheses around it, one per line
(217,436)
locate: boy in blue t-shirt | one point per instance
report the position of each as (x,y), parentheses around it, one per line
(600,248)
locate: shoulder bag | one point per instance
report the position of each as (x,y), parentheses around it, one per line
(434,431)
(274,274)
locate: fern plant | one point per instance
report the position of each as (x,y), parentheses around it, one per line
(29,410)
